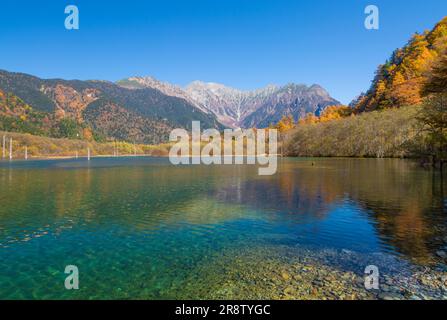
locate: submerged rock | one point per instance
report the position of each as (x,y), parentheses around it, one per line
(285,276)
(441,254)
(284,272)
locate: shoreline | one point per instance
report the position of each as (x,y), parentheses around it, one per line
(56,157)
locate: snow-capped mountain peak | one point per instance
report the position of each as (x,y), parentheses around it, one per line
(239,108)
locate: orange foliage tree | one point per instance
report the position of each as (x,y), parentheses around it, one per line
(285,124)
(398,82)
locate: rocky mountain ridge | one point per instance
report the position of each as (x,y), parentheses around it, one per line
(238,108)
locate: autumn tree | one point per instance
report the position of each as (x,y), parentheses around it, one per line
(331,113)
(286,123)
(87,134)
(372,134)
(433,115)
(437,78)
(310,118)
(399,80)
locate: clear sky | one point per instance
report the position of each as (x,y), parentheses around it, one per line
(241,43)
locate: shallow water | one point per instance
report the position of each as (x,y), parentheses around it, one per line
(142,228)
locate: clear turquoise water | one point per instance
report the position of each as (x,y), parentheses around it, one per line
(140,227)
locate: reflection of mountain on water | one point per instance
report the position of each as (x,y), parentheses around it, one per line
(281,197)
(403,203)
(144,198)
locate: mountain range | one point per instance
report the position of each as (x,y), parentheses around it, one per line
(144,109)
(236,108)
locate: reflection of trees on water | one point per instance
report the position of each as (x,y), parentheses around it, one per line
(281,197)
(402,202)
(405,203)
(141,197)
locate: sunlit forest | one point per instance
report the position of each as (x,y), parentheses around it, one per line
(403,114)
(376,134)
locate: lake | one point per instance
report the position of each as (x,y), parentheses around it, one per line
(140,228)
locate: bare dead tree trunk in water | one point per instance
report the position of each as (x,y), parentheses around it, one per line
(4,147)
(281,144)
(10,149)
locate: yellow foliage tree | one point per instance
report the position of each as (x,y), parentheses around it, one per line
(310,118)
(398,82)
(334,113)
(286,123)
(87,134)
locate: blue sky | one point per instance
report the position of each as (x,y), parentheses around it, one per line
(245,43)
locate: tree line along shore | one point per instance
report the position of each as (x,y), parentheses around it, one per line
(403,114)
(45,147)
